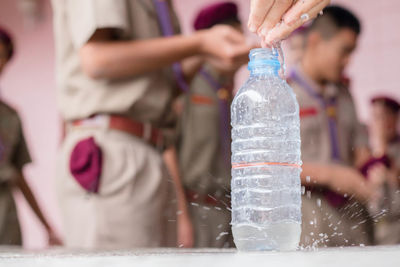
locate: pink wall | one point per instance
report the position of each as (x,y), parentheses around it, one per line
(375,65)
(29,85)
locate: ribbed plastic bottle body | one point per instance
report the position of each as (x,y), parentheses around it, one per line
(266,189)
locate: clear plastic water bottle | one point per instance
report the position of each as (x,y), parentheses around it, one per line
(266,165)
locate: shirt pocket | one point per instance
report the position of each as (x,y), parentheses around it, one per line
(203,118)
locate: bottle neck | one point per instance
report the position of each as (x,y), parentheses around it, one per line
(264,61)
(265,71)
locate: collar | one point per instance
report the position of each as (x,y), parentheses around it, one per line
(330,91)
(221,79)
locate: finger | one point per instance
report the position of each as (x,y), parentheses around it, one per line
(243,51)
(274,15)
(235,36)
(258,11)
(303,7)
(263,44)
(280,32)
(241,60)
(283,30)
(236,45)
(238,52)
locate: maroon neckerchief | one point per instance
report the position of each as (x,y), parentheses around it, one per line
(223,103)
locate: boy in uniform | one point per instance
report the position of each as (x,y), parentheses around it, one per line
(384,168)
(204,139)
(115,88)
(332,138)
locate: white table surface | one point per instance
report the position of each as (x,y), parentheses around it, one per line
(338,257)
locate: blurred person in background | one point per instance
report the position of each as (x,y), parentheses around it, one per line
(332,138)
(117,79)
(14,155)
(204,137)
(383,169)
(294,47)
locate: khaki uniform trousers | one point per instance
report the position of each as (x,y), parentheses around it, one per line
(387,232)
(211,226)
(326,226)
(387,218)
(136,203)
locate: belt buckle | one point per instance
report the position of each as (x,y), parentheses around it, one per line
(94,121)
(101,120)
(147,129)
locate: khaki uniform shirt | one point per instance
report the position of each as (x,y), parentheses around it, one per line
(204,163)
(323,224)
(13,156)
(314,127)
(134,206)
(205,167)
(145,98)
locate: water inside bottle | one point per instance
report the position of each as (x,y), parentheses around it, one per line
(266,189)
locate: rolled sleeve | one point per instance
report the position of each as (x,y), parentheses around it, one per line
(86,16)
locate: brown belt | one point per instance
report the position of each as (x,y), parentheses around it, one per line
(120,123)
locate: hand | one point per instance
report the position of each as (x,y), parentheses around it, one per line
(226,68)
(377,131)
(54,240)
(377,177)
(266,17)
(185,231)
(224,43)
(346,180)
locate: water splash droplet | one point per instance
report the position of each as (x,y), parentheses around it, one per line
(221,235)
(318,202)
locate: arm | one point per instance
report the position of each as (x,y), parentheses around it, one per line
(379,142)
(361,156)
(360,142)
(105,59)
(338,178)
(185,230)
(30,198)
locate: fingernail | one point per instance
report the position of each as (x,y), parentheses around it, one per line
(289,20)
(263,44)
(268,39)
(252,28)
(264,31)
(267,44)
(271,40)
